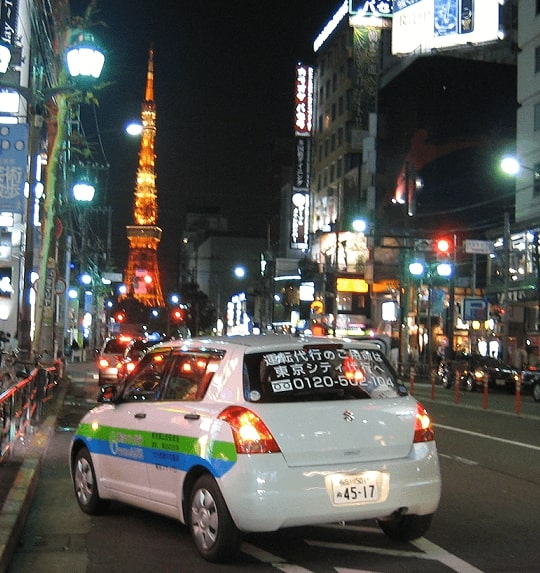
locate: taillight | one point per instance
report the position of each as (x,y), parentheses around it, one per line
(423,427)
(130,366)
(251,436)
(103,363)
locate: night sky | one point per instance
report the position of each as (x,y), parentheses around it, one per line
(224,92)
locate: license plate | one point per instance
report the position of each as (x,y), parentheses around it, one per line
(357,488)
(500,382)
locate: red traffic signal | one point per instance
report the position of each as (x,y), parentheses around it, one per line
(443,246)
(177,315)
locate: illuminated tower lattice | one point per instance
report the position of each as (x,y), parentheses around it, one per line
(142,272)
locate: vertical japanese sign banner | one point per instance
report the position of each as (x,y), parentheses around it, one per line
(8,20)
(13,161)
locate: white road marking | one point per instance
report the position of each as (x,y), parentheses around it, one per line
(464,461)
(347,570)
(277,562)
(426,550)
(442,556)
(487,437)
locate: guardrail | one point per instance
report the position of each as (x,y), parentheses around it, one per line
(21,407)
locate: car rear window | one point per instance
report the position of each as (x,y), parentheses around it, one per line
(319,373)
(115,346)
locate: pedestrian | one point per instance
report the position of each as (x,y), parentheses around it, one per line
(520,357)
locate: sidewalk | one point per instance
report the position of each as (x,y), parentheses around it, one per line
(19,477)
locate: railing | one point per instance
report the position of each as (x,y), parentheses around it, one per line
(21,407)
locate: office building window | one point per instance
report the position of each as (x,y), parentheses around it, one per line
(537,59)
(537,6)
(536,178)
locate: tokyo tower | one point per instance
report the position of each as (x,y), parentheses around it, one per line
(142,272)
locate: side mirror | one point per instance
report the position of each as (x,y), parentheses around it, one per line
(107,393)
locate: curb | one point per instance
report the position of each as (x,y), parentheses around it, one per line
(17,505)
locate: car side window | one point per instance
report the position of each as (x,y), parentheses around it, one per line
(189,376)
(147,384)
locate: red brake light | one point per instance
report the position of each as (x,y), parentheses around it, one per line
(423,427)
(103,363)
(251,436)
(130,366)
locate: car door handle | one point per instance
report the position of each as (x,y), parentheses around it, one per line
(192,416)
(140,415)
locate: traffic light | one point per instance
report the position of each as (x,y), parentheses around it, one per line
(443,247)
(120,316)
(177,315)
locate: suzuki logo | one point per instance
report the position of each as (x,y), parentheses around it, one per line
(348,416)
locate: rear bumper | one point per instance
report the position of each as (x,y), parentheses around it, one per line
(270,495)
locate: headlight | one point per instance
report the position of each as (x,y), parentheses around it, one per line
(479,374)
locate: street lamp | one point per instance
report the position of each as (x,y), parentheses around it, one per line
(85,61)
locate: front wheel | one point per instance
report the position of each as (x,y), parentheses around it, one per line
(85,484)
(405,527)
(536,391)
(212,528)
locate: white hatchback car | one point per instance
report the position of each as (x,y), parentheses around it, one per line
(256,433)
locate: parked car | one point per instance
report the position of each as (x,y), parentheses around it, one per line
(133,352)
(530,381)
(255,433)
(471,370)
(110,357)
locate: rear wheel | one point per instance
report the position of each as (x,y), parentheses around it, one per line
(85,484)
(405,527)
(536,391)
(212,528)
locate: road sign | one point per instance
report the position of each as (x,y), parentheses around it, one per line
(475,309)
(317,307)
(475,247)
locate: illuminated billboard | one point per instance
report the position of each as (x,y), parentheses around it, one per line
(421,25)
(303,105)
(299,238)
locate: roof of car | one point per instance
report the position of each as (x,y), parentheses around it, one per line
(264,341)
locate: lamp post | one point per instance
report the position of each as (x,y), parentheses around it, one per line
(512,166)
(85,61)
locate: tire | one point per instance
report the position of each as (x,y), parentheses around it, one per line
(212,528)
(85,484)
(470,384)
(536,391)
(405,527)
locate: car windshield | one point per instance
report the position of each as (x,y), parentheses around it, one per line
(115,346)
(318,373)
